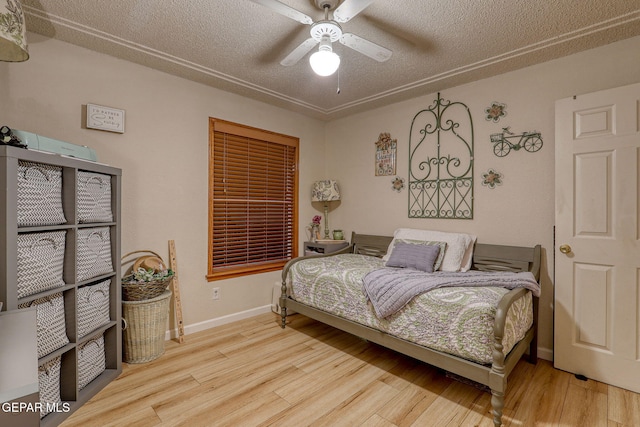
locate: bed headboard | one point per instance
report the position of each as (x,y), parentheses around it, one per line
(507,258)
(368,244)
(485,257)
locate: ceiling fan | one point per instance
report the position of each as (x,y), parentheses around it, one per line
(324,32)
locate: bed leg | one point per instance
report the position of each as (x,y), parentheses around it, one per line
(533,347)
(283,307)
(533,351)
(497,404)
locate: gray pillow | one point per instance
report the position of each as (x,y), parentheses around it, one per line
(419,257)
(441,245)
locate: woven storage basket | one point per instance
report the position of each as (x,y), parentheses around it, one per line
(145,326)
(133,291)
(94,197)
(91,360)
(93,307)
(39,194)
(49,385)
(93,253)
(40,259)
(50,325)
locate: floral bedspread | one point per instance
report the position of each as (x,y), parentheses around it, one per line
(454,320)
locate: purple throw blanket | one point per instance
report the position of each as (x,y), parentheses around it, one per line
(390,289)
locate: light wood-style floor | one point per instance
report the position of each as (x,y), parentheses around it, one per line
(253,373)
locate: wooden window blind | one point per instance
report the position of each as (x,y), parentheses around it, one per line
(253,180)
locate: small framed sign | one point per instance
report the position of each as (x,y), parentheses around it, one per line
(105,118)
(386,155)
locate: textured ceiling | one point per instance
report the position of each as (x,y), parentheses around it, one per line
(237,45)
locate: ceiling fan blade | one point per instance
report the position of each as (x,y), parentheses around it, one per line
(285,10)
(366,47)
(300,51)
(349,9)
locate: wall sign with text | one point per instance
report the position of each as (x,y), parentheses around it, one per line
(386,155)
(105,118)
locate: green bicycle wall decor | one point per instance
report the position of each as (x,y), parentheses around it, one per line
(530,141)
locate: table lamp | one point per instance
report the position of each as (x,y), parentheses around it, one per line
(325,191)
(13,42)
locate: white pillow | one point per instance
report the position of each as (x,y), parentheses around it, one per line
(458,254)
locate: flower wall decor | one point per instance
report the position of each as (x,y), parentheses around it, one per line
(491,178)
(496,111)
(397,184)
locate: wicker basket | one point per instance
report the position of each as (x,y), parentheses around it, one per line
(135,291)
(140,291)
(145,325)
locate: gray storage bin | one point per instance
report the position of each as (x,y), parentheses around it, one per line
(92,307)
(40,262)
(91,360)
(39,194)
(49,385)
(93,253)
(94,197)
(50,323)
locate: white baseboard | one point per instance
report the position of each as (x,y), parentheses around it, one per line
(219,321)
(545,353)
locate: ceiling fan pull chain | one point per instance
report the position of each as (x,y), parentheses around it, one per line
(338,91)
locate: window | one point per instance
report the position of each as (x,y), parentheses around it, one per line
(253,201)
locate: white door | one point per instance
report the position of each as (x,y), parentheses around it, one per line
(597,279)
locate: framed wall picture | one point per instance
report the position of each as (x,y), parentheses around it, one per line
(386,155)
(105,118)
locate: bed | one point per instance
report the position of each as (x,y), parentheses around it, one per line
(477,333)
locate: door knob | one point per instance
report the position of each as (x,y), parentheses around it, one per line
(565,249)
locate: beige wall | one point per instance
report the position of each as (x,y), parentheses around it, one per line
(163,155)
(521,211)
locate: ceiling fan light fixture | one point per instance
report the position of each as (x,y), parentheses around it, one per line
(325,61)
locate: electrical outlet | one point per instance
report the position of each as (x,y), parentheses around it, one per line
(216,293)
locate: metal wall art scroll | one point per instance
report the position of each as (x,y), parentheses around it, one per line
(441,162)
(386,155)
(506,141)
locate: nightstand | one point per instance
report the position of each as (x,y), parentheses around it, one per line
(324,246)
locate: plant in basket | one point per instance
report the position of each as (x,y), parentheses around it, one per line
(145,284)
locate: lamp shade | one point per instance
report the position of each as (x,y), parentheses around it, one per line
(13,40)
(325,191)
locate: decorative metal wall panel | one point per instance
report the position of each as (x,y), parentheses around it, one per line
(441,162)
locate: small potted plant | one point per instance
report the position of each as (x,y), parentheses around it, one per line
(315,228)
